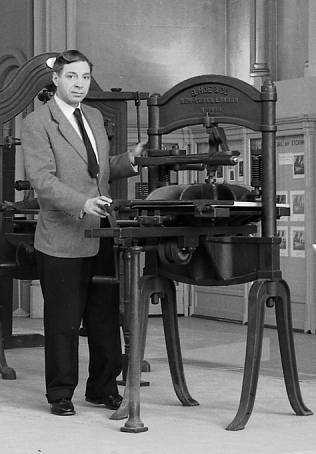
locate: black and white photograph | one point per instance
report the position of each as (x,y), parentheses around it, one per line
(297,202)
(283,233)
(232,173)
(298,165)
(282,197)
(240,169)
(297,242)
(157,222)
(220,173)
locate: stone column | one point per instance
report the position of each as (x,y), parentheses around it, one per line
(55,23)
(260,65)
(310,69)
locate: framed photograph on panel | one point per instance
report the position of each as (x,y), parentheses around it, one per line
(220,173)
(298,165)
(231,171)
(282,197)
(241,170)
(283,233)
(298,242)
(297,205)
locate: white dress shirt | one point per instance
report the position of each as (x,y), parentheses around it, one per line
(68,111)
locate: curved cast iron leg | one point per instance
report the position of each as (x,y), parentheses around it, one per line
(171,329)
(7,372)
(149,285)
(287,350)
(256,308)
(260,292)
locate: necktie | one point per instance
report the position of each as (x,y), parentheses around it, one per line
(93,165)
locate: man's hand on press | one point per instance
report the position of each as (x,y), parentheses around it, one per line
(137,151)
(98,206)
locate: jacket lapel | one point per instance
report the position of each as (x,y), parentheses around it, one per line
(67,130)
(99,138)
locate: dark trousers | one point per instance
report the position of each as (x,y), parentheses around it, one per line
(69,298)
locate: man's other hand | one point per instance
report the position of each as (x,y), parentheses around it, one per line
(98,206)
(137,151)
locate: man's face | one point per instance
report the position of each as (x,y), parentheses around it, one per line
(73,82)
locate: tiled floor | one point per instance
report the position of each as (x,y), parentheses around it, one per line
(213,354)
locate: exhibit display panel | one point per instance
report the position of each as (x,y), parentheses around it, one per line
(295,187)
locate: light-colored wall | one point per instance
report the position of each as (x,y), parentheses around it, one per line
(151,45)
(16,27)
(238,39)
(292,37)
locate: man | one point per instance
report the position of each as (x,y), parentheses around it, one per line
(73,197)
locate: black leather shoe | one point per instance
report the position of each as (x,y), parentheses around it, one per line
(62,407)
(113,401)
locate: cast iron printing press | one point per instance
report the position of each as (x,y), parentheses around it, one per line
(205,234)
(202,234)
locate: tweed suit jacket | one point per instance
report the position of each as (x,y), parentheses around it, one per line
(56,164)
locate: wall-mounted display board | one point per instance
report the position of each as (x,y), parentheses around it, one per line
(296,167)
(296,186)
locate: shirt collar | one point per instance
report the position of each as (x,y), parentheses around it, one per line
(66,108)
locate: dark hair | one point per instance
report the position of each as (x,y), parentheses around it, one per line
(69,56)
